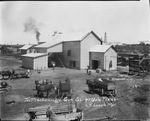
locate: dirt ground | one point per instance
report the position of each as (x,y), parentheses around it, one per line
(131,102)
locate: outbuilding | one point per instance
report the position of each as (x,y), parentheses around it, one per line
(27,49)
(103,57)
(35,61)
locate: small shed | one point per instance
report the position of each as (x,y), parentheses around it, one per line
(35,61)
(103,57)
(27,49)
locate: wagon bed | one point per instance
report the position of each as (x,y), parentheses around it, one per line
(64,111)
(64,89)
(102,86)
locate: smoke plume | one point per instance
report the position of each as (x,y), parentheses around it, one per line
(37,35)
(32,26)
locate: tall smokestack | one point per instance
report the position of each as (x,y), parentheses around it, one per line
(105,38)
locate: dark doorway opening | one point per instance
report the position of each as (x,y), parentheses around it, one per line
(56,58)
(73,64)
(95,64)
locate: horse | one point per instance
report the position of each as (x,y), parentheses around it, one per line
(45,86)
(6,73)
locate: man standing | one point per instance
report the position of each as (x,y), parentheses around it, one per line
(49,113)
(88,67)
(53,63)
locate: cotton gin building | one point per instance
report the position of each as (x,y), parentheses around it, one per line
(74,50)
(35,61)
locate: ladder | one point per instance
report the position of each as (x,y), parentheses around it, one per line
(49,54)
(61,62)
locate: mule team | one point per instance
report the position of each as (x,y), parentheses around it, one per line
(47,86)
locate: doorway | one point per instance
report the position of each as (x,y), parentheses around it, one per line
(72,64)
(95,64)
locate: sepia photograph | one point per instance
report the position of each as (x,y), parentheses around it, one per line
(75,60)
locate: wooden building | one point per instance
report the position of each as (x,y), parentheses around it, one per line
(73,50)
(34,61)
(103,57)
(27,49)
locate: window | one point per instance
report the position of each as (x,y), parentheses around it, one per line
(69,53)
(110,64)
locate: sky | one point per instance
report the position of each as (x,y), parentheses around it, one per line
(123,21)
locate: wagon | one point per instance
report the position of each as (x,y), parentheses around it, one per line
(21,74)
(61,91)
(64,89)
(101,86)
(63,111)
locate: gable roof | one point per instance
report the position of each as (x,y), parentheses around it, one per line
(25,47)
(101,48)
(66,38)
